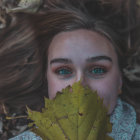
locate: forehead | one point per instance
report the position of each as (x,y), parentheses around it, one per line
(80,42)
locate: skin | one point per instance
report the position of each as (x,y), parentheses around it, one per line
(87,56)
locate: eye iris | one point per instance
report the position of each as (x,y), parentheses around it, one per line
(98,71)
(64,71)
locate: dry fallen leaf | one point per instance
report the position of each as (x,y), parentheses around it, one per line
(76,113)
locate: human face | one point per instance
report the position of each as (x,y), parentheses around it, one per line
(87,56)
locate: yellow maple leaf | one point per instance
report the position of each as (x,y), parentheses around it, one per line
(76,113)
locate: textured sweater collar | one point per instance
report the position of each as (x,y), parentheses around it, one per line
(123,119)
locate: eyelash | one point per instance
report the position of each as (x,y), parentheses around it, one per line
(99,71)
(62,70)
(66,72)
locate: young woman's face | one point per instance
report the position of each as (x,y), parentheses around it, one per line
(87,56)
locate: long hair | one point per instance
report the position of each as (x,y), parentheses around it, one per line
(24,50)
(21,81)
(62,20)
(124,16)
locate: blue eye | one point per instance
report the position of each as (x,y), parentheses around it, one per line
(64,72)
(98,71)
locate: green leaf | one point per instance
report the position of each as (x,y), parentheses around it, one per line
(76,113)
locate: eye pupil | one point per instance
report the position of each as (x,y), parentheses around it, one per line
(98,70)
(64,71)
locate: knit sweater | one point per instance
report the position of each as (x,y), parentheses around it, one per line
(123,119)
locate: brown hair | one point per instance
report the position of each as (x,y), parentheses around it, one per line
(23,51)
(69,19)
(21,81)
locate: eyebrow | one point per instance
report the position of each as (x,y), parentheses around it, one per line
(60,60)
(91,59)
(98,58)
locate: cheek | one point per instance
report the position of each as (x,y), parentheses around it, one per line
(55,85)
(52,88)
(108,90)
(105,90)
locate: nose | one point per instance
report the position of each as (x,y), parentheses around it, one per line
(81,77)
